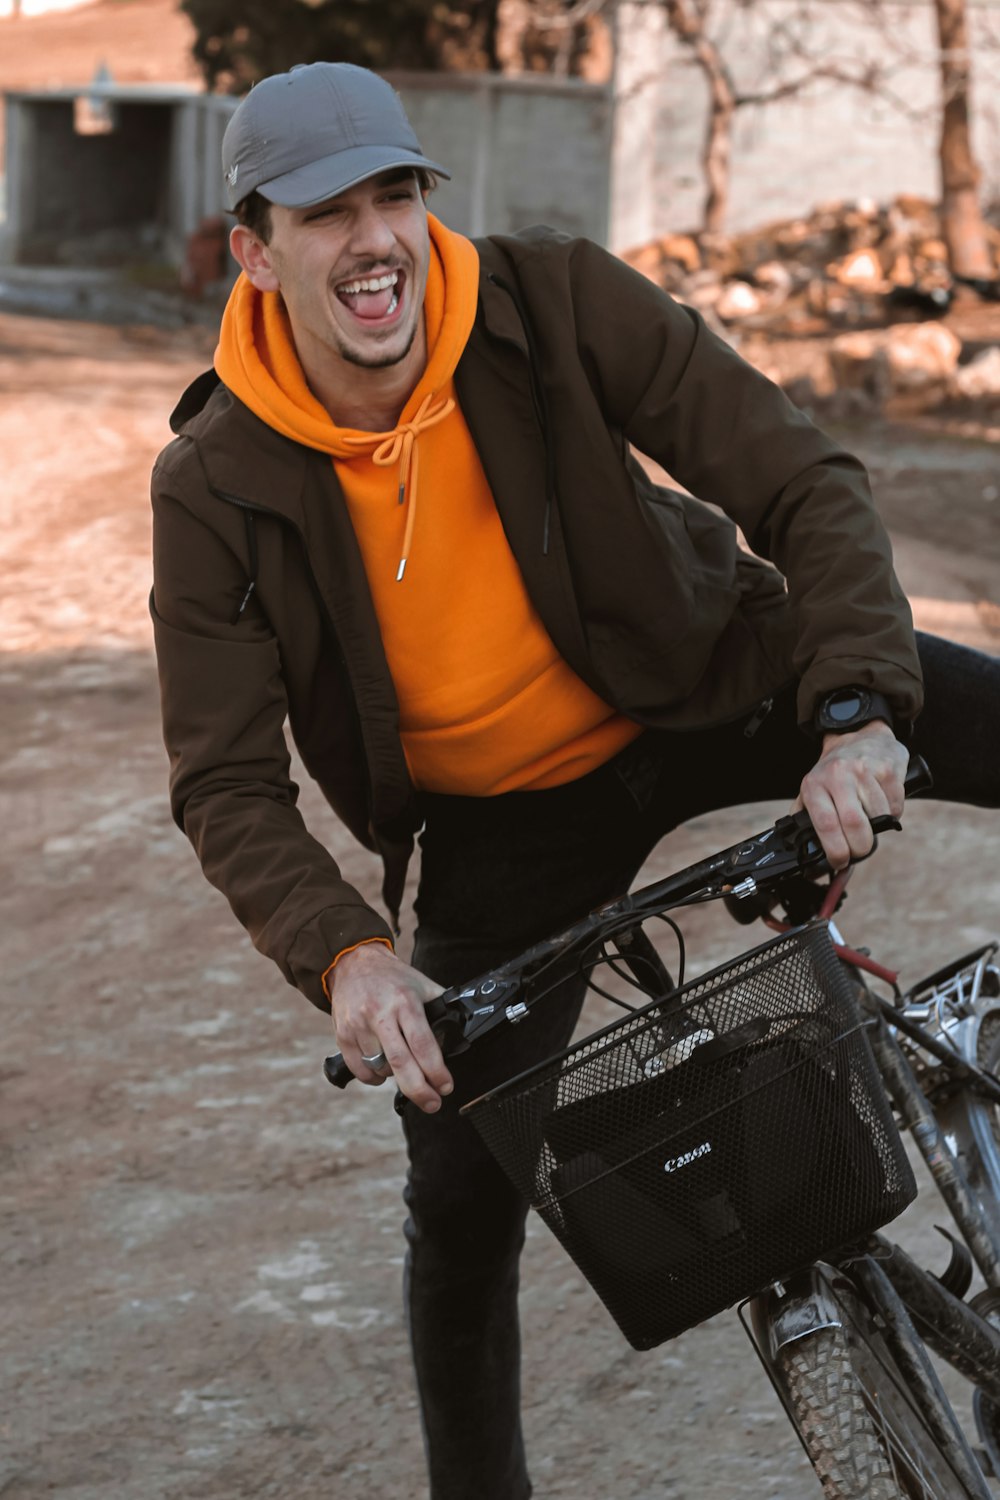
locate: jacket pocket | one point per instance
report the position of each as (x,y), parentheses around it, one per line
(683,593)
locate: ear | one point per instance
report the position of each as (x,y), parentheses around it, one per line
(255,258)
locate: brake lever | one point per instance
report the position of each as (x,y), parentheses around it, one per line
(456,1017)
(792,845)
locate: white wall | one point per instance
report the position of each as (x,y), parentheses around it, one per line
(831,143)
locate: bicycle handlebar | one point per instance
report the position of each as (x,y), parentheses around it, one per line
(460,1015)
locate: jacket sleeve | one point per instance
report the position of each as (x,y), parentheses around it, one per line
(728,434)
(224,707)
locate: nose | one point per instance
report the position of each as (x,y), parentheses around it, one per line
(372,237)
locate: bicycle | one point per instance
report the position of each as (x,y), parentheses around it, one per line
(659,1151)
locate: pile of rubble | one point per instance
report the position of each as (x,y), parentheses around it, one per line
(869,281)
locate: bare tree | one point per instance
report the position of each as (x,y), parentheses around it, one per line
(962,223)
(549,36)
(791,70)
(689,22)
(961,214)
(797,64)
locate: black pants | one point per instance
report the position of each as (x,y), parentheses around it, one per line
(497,874)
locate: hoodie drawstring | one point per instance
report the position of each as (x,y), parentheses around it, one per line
(400,447)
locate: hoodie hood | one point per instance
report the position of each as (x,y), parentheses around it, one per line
(256,356)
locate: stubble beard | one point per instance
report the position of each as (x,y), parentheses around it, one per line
(365,361)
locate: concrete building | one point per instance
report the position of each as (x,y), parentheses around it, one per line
(114,174)
(108,172)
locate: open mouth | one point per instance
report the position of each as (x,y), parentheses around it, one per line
(373,299)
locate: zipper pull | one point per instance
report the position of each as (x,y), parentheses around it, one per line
(758,717)
(244,601)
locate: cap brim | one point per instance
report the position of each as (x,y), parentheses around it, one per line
(335,174)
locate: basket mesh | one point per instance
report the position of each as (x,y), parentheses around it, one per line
(711,1143)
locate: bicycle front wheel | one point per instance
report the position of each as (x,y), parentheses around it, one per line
(858,1421)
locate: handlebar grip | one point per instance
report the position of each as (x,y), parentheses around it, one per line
(337,1072)
(437,1012)
(918,776)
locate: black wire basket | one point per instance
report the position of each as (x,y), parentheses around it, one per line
(710,1143)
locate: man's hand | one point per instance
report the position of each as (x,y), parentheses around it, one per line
(378,1006)
(857,777)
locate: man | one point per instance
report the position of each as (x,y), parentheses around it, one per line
(402,511)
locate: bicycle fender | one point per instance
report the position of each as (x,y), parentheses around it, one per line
(794,1309)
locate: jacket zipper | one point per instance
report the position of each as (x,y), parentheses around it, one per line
(754,723)
(757,716)
(251,531)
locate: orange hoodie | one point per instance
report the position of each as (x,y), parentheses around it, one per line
(487,705)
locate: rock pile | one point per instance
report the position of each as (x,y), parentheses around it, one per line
(845,265)
(870,281)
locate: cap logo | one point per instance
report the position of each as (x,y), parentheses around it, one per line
(232,174)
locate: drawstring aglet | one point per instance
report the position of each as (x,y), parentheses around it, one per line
(403,560)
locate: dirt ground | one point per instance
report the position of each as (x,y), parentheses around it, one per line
(201,1248)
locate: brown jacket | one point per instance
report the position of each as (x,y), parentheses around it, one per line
(573,357)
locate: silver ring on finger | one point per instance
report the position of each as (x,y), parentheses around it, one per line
(375,1062)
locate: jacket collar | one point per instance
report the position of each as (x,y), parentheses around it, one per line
(499,313)
(242,457)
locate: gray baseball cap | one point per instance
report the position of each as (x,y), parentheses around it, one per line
(301,137)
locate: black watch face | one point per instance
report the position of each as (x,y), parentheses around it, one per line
(842,708)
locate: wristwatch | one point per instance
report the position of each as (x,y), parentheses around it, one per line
(851,708)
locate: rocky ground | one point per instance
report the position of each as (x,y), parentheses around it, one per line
(200,1247)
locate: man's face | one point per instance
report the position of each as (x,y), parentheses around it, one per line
(352,271)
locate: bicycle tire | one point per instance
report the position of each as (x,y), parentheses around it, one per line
(863,1434)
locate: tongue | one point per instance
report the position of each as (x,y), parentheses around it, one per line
(368,304)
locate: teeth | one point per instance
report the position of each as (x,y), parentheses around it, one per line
(392,305)
(376,284)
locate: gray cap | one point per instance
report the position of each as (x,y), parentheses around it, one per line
(301,137)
